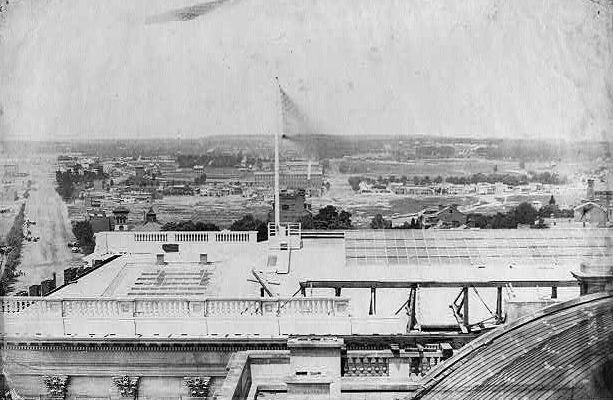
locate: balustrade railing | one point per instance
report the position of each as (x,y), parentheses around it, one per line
(225,237)
(411,365)
(213,307)
(128,317)
(358,365)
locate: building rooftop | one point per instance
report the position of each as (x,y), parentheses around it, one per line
(355,261)
(563,351)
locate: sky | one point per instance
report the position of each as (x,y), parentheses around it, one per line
(74,69)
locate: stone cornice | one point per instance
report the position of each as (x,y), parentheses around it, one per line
(172,345)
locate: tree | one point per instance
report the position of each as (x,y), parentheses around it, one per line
(330,218)
(185,226)
(378,222)
(354,182)
(525,214)
(250,223)
(552,201)
(65,184)
(84,234)
(201,179)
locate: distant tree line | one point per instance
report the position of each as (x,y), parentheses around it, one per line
(524,214)
(67,180)
(246,223)
(507,179)
(327,218)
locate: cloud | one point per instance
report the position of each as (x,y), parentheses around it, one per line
(74,69)
(186,13)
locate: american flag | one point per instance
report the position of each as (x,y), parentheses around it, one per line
(294,120)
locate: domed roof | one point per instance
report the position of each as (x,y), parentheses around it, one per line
(561,352)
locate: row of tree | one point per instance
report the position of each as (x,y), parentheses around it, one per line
(524,214)
(11,251)
(67,180)
(507,179)
(327,218)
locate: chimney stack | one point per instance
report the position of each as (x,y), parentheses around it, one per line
(590,189)
(160,259)
(203,259)
(595,277)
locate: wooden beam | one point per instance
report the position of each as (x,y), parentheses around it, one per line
(465,310)
(435,284)
(499,304)
(373,301)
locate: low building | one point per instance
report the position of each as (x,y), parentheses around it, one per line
(450,216)
(592,213)
(443,217)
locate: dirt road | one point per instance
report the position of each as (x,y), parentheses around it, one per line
(45,207)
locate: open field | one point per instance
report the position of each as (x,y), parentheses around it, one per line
(219,210)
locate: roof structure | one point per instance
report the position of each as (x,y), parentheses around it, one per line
(561,352)
(590,204)
(476,247)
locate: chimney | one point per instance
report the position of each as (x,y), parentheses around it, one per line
(590,189)
(203,258)
(595,277)
(160,259)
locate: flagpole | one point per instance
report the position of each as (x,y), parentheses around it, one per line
(279,127)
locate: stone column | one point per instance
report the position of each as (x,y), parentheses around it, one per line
(127,386)
(56,386)
(198,386)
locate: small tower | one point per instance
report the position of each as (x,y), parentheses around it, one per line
(590,190)
(150,216)
(120,214)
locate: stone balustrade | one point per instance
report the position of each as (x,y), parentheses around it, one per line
(42,316)
(169,237)
(406,364)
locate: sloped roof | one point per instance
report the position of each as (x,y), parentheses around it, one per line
(561,352)
(590,204)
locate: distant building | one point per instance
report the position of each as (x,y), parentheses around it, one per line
(443,217)
(293,206)
(149,216)
(99,221)
(294,175)
(120,214)
(450,216)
